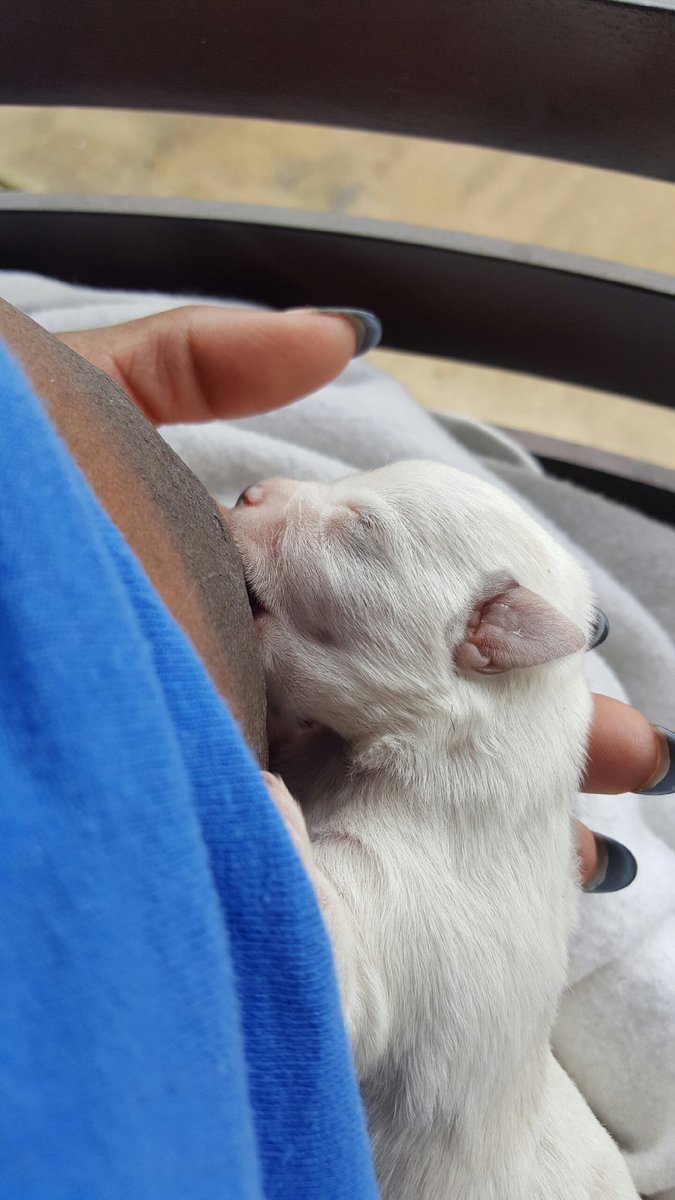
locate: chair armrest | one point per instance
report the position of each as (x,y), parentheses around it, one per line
(642,486)
(451,295)
(587,80)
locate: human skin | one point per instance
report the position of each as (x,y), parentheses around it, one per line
(163,512)
(105,389)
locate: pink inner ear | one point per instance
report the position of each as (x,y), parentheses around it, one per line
(515,628)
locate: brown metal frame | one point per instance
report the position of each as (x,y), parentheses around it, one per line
(588,80)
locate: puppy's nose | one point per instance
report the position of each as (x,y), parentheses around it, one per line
(250,495)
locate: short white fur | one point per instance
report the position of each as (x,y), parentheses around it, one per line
(437,797)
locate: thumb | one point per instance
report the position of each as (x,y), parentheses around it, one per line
(201,362)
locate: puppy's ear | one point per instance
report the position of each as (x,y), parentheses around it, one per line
(512,627)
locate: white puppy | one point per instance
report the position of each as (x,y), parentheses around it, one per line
(422,641)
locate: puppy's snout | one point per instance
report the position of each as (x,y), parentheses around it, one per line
(250,495)
(277,490)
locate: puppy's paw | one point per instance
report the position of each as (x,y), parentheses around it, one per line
(291,815)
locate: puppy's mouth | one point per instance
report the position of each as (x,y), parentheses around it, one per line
(257,607)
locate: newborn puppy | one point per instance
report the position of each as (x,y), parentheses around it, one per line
(422,639)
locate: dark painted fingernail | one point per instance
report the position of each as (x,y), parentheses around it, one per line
(366,325)
(662,782)
(616,866)
(600,629)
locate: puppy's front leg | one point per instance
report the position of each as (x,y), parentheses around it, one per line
(291,814)
(364,1000)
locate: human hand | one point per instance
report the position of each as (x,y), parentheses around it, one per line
(200,362)
(626,754)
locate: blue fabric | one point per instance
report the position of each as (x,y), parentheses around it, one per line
(169,1023)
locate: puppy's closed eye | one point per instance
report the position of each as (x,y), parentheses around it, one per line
(360,528)
(366,518)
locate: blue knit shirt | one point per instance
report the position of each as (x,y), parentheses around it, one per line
(169,1020)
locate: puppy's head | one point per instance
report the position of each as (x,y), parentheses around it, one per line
(384,596)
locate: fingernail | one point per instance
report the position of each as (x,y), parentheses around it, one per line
(600,629)
(616,866)
(366,325)
(662,782)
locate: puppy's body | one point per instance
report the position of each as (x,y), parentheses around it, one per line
(422,641)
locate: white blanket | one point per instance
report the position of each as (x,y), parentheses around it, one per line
(616,1029)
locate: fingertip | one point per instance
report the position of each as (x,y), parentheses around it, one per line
(662,781)
(329,339)
(616,866)
(295,353)
(624,749)
(367,327)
